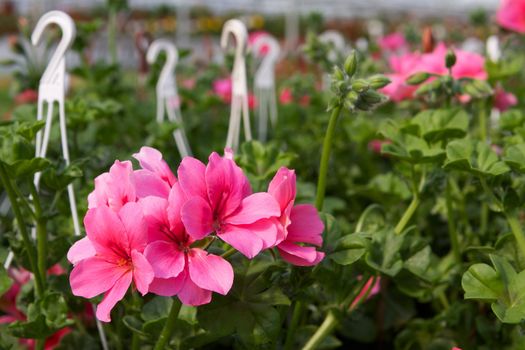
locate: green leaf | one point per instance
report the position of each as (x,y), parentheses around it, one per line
(481,281)
(475,157)
(349,249)
(156,308)
(384,253)
(5,281)
(27,167)
(441,124)
(515,157)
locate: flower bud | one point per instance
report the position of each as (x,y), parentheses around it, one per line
(450,59)
(338,74)
(352,96)
(418,78)
(360,85)
(350,65)
(378,81)
(372,97)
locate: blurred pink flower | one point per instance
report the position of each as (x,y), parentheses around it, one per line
(252,37)
(300,224)
(468,65)
(26,96)
(223,89)
(376,145)
(111,256)
(189,83)
(393,42)
(220,200)
(504,100)
(190,273)
(511,15)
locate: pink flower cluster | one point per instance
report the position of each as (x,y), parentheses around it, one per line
(468,65)
(151,228)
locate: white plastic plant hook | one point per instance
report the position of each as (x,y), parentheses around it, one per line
(239,104)
(265,81)
(168,101)
(52,89)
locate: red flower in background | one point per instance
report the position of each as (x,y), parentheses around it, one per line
(26,96)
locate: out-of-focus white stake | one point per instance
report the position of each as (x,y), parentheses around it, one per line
(493,49)
(265,82)
(168,101)
(52,89)
(494,54)
(239,105)
(338,47)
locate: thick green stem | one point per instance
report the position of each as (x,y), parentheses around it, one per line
(41,234)
(30,249)
(515,227)
(167,331)
(325,157)
(296,317)
(329,323)
(453,234)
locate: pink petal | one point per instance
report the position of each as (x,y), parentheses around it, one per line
(112,297)
(226,184)
(242,239)
(155,214)
(150,184)
(99,196)
(151,159)
(191,176)
(191,294)
(282,187)
(167,287)
(120,186)
(197,217)
(255,207)
(306,226)
(135,225)
(298,255)
(210,271)
(106,232)
(142,272)
(165,258)
(82,249)
(268,230)
(93,276)
(176,200)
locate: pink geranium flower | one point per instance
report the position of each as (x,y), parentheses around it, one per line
(220,200)
(511,15)
(111,256)
(468,65)
(301,223)
(190,273)
(252,38)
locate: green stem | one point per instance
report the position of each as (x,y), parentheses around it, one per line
(137,305)
(40,344)
(30,249)
(296,317)
(41,234)
(167,331)
(482,119)
(228,253)
(325,157)
(329,323)
(515,227)
(453,234)
(364,215)
(407,215)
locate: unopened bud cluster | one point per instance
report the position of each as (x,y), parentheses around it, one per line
(356,93)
